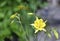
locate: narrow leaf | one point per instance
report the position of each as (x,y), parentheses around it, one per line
(49,35)
(56,34)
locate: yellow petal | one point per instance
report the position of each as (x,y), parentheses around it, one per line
(37,18)
(44,30)
(42,25)
(41,20)
(45,21)
(32,24)
(36,31)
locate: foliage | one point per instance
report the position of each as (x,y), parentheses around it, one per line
(9,7)
(18,26)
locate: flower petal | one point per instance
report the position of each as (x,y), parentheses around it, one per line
(37,18)
(41,20)
(36,31)
(32,24)
(44,30)
(45,21)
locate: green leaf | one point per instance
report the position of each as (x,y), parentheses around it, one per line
(49,35)
(1,15)
(56,34)
(3,3)
(18,1)
(1,39)
(33,7)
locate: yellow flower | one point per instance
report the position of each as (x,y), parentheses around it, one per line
(39,25)
(30,13)
(21,7)
(13,16)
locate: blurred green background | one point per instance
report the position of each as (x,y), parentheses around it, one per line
(17,31)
